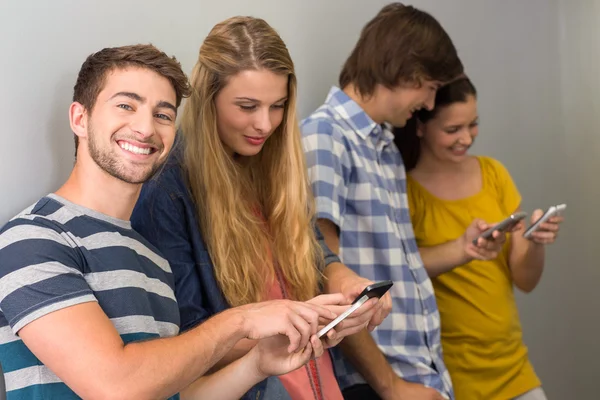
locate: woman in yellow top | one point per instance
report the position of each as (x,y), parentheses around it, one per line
(449,192)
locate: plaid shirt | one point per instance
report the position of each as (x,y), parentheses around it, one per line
(359,183)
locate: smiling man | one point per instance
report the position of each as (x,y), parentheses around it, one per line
(87,304)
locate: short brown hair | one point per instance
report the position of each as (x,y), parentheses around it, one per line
(401,44)
(93,72)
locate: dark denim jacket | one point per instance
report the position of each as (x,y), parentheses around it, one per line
(166,216)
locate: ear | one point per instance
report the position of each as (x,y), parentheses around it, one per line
(78,119)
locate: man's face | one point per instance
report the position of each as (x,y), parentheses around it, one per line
(403,101)
(131,128)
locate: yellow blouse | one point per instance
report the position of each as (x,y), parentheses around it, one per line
(481,333)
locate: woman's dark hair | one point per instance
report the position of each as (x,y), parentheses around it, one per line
(406,137)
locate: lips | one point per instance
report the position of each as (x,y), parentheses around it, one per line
(459,150)
(255,140)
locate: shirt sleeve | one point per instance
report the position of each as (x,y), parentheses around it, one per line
(328,169)
(41,271)
(329,256)
(162,220)
(509,195)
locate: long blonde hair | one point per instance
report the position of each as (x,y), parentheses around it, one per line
(275,180)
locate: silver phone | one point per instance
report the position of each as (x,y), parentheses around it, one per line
(550,212)
(362,300)
(502,226)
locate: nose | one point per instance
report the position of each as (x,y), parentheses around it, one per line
(143,124)
(262,121)
(466,138)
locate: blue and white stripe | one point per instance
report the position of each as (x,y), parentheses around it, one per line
(56,254)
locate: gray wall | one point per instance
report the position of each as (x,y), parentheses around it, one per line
(533,63)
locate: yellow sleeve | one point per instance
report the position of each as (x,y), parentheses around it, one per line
(508,194)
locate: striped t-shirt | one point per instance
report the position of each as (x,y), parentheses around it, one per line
(57,254)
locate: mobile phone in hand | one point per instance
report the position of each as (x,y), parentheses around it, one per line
(503,226)
(377,289)
(550,212)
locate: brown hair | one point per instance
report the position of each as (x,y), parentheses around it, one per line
(401,44)
(95,68)
(406,137)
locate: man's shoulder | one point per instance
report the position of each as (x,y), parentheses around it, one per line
(45,218)
(328,131)
(326,121)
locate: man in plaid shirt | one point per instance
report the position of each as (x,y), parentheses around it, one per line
(402,57)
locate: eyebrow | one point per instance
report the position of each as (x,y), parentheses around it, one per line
(258,101)
(137,97)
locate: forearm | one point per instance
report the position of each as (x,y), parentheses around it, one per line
(527,266)
(443,257)
(365,356)
(231,382)
(160,368)
(335,275)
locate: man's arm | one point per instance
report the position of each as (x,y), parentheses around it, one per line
(360,348)
(82,347)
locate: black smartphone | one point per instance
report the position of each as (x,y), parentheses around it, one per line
(377,289)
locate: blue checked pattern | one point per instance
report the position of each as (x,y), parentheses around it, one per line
(359,183)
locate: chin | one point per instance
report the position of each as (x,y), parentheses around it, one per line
(401,123)
(248,152)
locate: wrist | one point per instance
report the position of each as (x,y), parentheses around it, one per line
(388,388)
(462,257)
(536,247)
(238,318)
(252,361)
(337,276)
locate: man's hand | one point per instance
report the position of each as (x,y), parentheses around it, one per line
(485,249)
(296,320)
(271,358)
(353,285)
(355,322)
(403,390)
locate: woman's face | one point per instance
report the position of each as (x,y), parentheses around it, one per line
(249,109)
(448,136)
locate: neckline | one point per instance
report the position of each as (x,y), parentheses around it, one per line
(467,199)
(89,212)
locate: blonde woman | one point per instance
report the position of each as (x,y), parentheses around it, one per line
(233,212)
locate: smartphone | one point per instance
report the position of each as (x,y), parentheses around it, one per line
(502,226)
(377,289)
(550,212)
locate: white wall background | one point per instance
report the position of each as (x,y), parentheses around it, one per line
(535,64)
